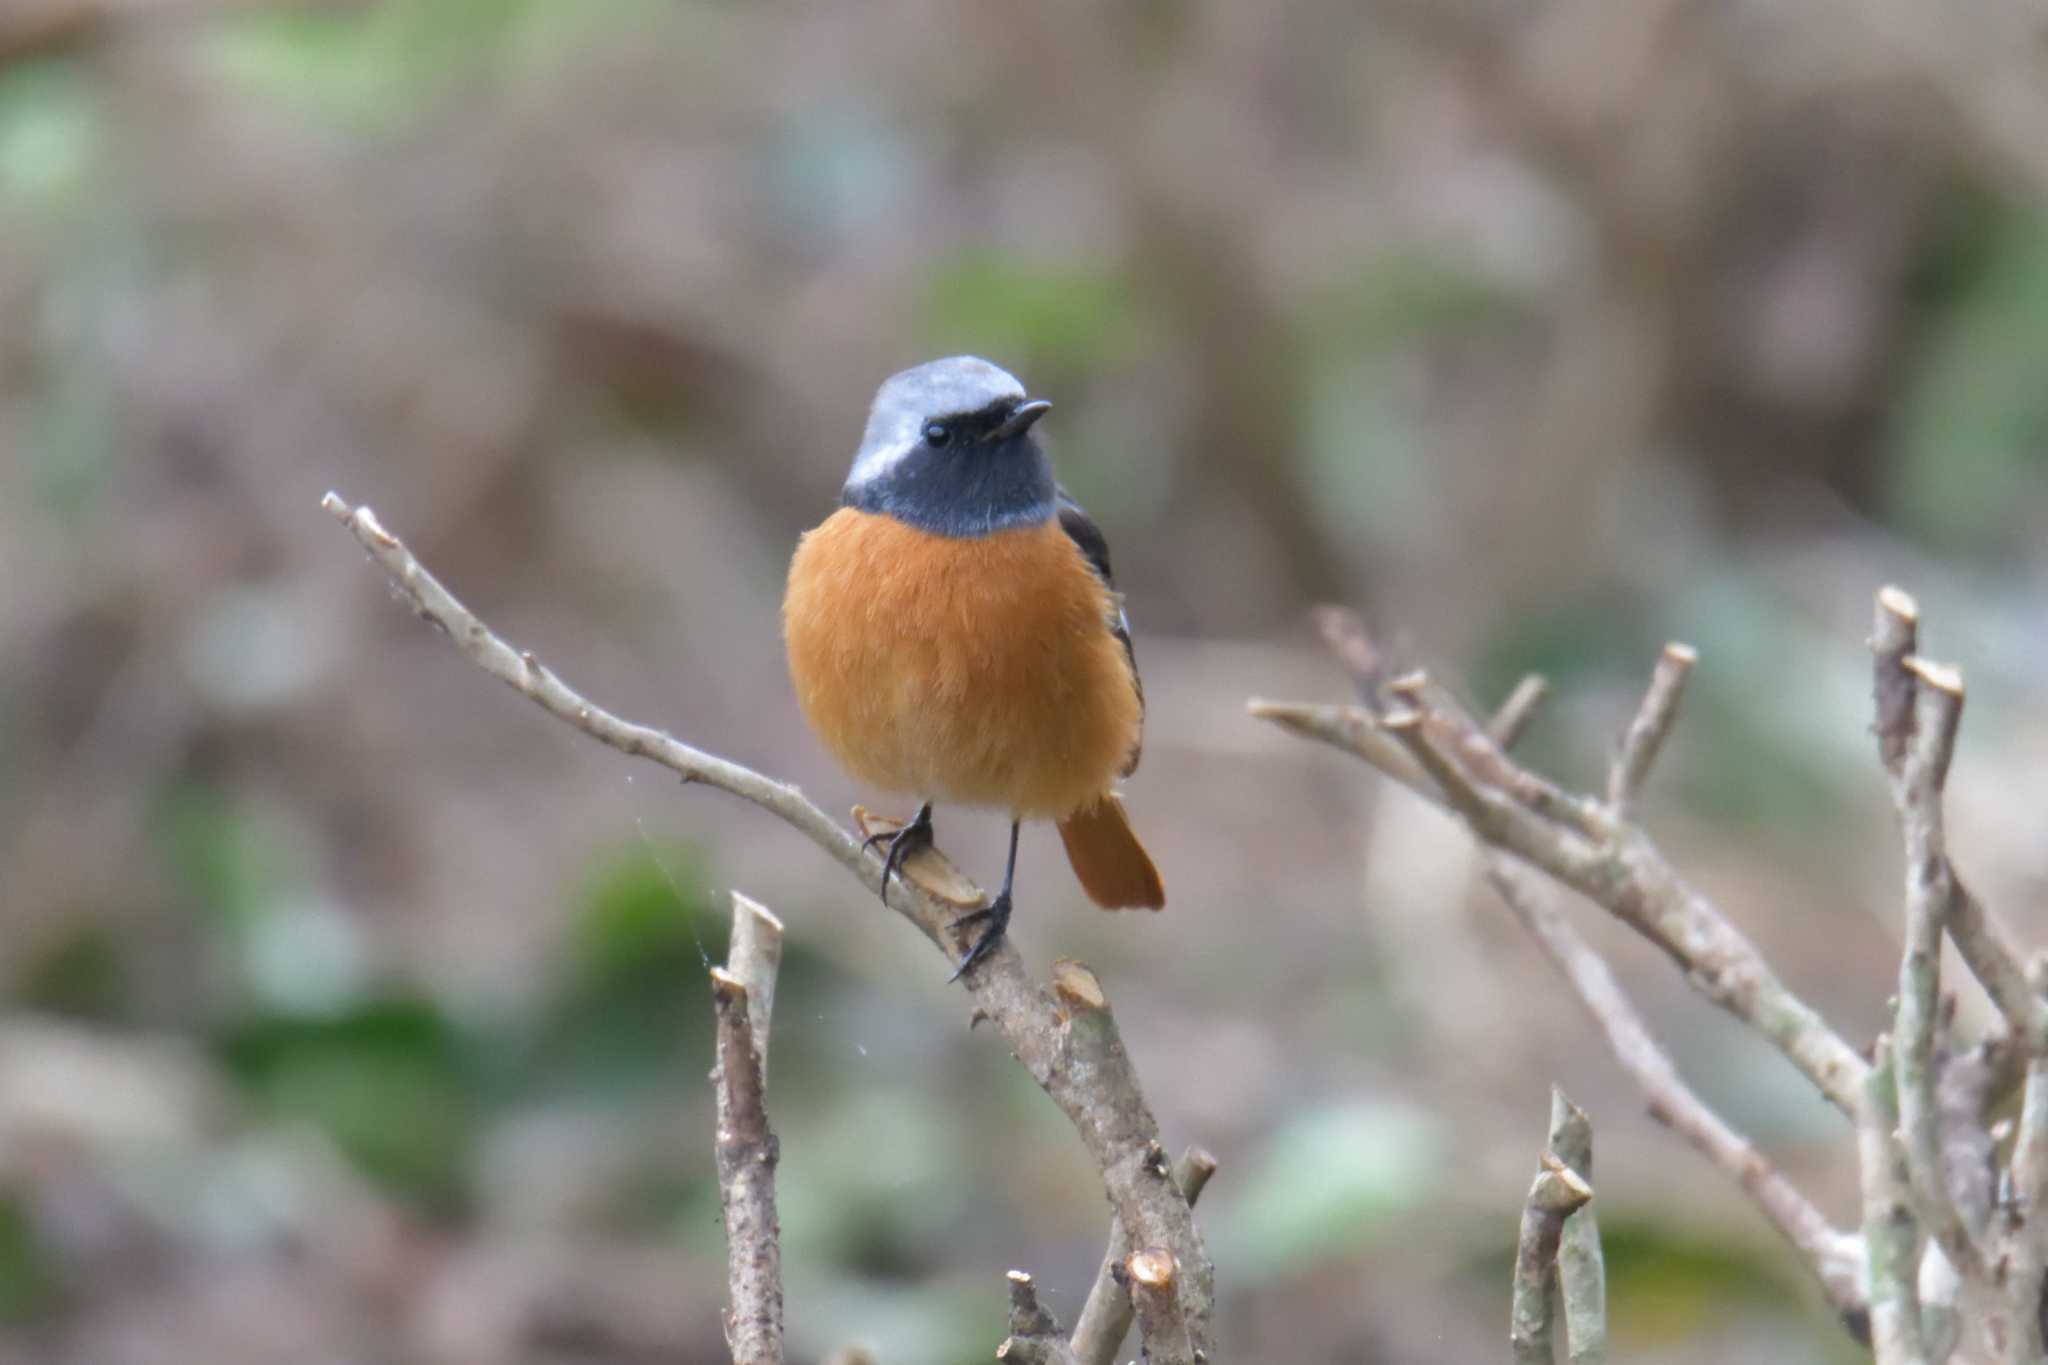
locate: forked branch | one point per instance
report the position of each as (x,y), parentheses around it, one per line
(1101,1098)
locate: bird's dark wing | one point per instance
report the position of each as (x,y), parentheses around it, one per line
(1083,531)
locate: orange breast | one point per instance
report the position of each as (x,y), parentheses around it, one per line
(972,671)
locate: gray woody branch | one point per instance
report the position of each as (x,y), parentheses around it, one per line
(743,994)
(1036,1337)
(1557,1255)
(1106,1316)
(1415,733)
(1558,1193)
(1934,1239)
(1834,1257)
(1581,1269)
(1428,743)
(1075,1055)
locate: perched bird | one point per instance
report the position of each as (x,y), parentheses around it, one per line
(954,634)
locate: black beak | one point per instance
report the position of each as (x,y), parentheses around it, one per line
(1021,418)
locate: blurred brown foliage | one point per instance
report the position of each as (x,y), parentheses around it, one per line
(354,1013)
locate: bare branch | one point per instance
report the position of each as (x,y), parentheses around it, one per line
(1509,723)
(1106,1317)
(1104,1102)
(1889,1230)
(1894,638)
(1965,1086)
(1935,711)
(1653,722)
(1155,1278)
(747,1156)
(754,957)
(1941,1326)
(1036,1337)
(1919,705)
(1483,810)
(1461,740)
(1832,1256)
(2026,1269)
(1612,863)
(1343,630)
(1353,729)
(1581,1269)
(1557,1193)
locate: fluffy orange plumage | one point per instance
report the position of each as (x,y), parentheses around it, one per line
(966,671)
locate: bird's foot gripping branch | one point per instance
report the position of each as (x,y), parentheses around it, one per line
(1937,1255)
(1063,1033)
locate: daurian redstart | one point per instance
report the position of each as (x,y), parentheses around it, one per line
(954,634)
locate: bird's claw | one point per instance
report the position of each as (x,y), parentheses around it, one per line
(997,913)
(902,841)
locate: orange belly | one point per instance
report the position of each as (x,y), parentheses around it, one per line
(962,671)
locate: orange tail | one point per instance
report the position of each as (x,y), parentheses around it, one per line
(1113,866)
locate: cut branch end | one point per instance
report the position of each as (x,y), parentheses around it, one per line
(1151,1268)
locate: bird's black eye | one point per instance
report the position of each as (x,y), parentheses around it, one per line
(936,434)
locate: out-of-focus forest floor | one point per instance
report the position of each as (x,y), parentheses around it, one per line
(354,1011)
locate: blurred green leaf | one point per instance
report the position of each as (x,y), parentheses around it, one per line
(935,1321)
(78,431)
(49,131)
(243,864)
(1405,297)
(372,65)
(1970,463)
(1328,1183)
(1667,1283)
(380,66)
(1035,319)
(227,857)
(389,1082)
(883,1182)
(637,915)
(28,1278)
(633,1006)
(81,974)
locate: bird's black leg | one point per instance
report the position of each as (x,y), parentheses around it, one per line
(996,912)
(902,842)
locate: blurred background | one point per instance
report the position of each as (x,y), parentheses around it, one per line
(354,1009)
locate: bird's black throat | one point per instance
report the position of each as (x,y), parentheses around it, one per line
(963,491)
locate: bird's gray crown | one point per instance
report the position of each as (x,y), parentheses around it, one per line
(949,449)
(924,393)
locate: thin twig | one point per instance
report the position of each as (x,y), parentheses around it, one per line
(1889,1230)
(1581,1269)
(747,1155)
(1104,1103)
(1941,1326)
(1936,710)
(1646,733)
(1832,1256)
(2026,1266)
(1512,719)
(1893,639)
(1918,767)
(1965,1086)
(1106,1317)
(1556,1194)
(1343,631)
(754,956)
(1444,722)
(1622,871)
(1036,1337)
